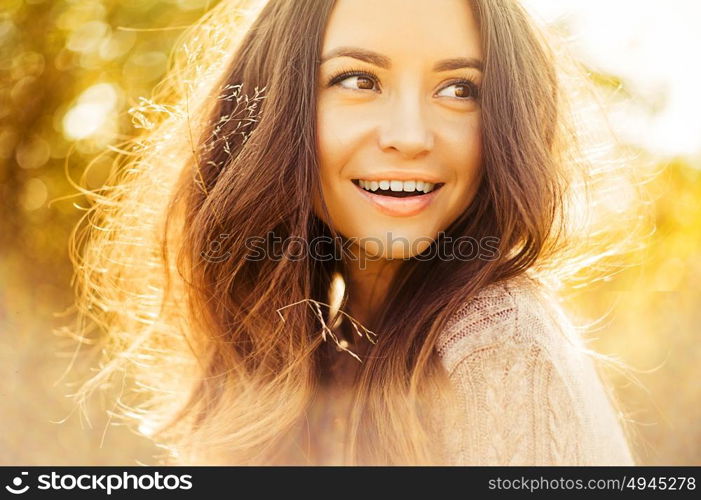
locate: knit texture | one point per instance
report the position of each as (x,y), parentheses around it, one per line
(528,391)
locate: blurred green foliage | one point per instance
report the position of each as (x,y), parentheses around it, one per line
(69,69)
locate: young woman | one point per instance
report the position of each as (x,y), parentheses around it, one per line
(337,245)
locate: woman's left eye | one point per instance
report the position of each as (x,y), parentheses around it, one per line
(461,90)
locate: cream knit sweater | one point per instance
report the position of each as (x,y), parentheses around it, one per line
(528,393)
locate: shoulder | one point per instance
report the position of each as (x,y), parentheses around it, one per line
(528,390)
(519,313)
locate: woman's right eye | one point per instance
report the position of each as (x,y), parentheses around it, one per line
(363,82)
(355,81)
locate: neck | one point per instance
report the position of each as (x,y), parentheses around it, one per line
(368,285)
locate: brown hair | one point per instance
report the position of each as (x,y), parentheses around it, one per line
(195,324)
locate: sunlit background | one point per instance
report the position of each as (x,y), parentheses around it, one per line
(69,69)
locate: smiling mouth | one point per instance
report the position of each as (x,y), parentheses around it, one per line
(398,194)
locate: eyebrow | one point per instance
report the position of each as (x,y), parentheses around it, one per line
(384,62)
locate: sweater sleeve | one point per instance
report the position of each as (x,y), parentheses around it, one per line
(527,393)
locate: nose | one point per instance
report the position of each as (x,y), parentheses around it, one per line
(405,128)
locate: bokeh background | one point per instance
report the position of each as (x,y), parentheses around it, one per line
(69,69)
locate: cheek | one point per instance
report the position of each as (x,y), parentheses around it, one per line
(340,132)
(467,140)
(335,150)
(334,144)
(341,138)
(471,153)
(328,147)
(465,152)
(324,140)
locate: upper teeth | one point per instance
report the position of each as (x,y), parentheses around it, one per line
(414,185)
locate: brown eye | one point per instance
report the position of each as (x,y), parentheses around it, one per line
(461,90)
(355,80)
(365,83)
(359,82)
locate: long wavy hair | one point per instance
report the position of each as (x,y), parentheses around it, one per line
(220,353)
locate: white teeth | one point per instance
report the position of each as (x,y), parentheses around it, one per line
(395,185)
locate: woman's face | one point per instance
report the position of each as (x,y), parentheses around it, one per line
(397,116)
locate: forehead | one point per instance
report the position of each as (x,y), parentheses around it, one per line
(414,29)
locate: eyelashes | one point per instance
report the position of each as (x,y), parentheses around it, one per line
(470,84)
(347,73)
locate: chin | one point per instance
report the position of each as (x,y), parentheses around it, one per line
(394,244)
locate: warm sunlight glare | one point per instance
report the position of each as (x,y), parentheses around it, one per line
(651,46)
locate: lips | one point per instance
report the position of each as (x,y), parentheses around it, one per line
(404,206)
